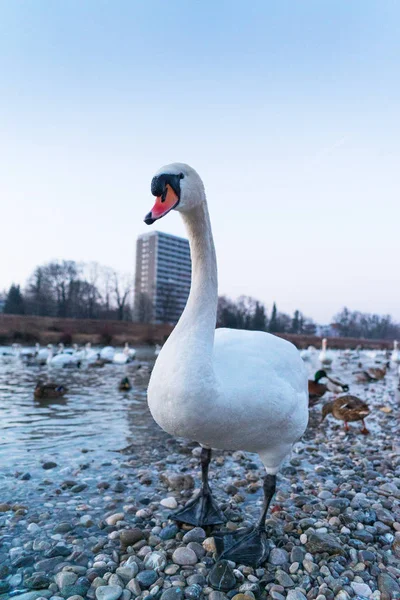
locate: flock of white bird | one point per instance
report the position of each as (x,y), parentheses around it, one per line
(326,357)
(70,357)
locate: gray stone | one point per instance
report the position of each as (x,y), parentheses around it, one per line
(362,589)
(146,578)
(323,542)
(221,576)
(129,537)
(155,560)
(388,587)
(184,556)
(108,592)
(169,532)
(295,595)
(278,556)
(173,593)
(217,596)
(193,592)
(128,572)
(37,581)
(284,579)
(195,535)
(34,595)
(64,579)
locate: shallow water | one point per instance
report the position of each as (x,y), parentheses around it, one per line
(93,416)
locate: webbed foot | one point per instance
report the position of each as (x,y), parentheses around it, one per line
(201,511)
(247,546)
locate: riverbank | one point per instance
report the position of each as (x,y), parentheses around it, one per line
(27,329)
(99,528)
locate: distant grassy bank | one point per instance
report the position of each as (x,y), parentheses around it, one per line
(49,330)
(46,330)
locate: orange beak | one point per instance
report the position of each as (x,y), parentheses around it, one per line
(163,205)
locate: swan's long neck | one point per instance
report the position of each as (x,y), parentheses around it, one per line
(195,329)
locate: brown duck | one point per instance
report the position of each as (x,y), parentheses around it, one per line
(347,408)
(125,385)
(45,391)
(316,389)
(371,374)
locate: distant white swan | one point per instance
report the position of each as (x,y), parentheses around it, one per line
(127,355)
(325,357)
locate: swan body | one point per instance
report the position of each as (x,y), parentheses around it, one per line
(325,358)
(256,404)
(224,388)
(107,353)
(395,356)
(127,355)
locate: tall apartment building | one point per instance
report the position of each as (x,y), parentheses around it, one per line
(162,279)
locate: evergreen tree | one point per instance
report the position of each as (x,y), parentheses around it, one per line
(14,304)
(259,318)
(273,322)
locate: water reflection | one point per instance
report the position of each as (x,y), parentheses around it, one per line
(93,416)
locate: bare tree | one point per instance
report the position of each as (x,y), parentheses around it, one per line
(122,290)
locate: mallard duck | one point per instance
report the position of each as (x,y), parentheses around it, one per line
(49,390)
(125,385)
(371,374)
(316,389)
(347,408)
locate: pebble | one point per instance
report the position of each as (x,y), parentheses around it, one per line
(197,534)
(129,537)
(169,502)
(184,556)
(295,595)
(49,465)
(284,579)
(389,588)
(362,589)
(173,593)
(113,519)
(146,578)
(278,556)
(108,592)
(221,576)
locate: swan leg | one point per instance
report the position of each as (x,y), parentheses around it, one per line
(364,430)
(202,510)
(248,546)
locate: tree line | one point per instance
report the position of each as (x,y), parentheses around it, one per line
(68,289)
(356,324)
(249,313)
(91,291)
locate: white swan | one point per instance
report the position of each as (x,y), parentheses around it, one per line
(62,359)
(127,355)
(107,353)
(395,357)
(227,388)
(325,358)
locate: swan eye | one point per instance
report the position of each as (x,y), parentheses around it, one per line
(181,176)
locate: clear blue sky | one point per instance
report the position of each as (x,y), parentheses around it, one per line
(288,110)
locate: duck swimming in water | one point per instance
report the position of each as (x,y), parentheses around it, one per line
(125,385)
(48,391)
(226,388)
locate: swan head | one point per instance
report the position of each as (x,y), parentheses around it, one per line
(176,186)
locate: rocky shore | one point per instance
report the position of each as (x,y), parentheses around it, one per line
(100,530)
